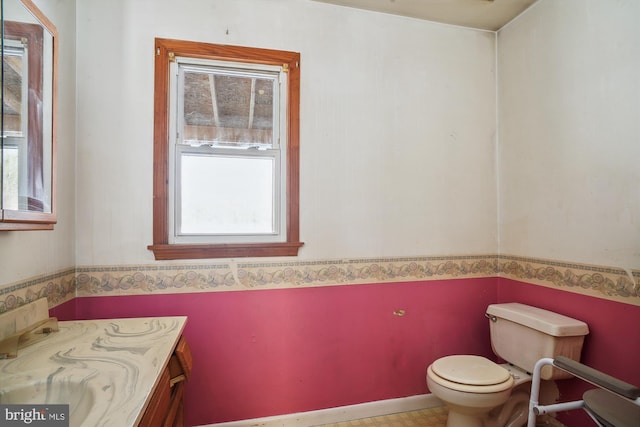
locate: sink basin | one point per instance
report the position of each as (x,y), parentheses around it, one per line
(78,395)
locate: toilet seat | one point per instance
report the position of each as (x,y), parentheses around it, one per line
(471,374)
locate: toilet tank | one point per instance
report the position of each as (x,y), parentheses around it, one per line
(522,334)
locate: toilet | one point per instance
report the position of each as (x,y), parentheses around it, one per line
(481,393)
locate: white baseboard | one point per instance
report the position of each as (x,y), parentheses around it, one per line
(340,414)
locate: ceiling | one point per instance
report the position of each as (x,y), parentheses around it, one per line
(482,14)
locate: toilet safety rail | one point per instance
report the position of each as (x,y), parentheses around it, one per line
(614,404)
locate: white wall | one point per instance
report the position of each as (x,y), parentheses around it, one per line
(569,100)
(27,254)
(398,123)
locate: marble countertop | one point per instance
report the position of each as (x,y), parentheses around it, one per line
(104,369)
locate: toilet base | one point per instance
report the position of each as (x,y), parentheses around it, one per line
(513,413)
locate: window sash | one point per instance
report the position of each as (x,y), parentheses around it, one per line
(278,225)
(222,68)
(180,148)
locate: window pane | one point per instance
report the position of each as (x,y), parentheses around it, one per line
(13,89)
(227,195)
(228,110)
(10,178)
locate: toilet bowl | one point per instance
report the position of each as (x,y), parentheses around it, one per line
(481,393)
(470,386)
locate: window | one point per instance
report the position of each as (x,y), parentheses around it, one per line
(225,151)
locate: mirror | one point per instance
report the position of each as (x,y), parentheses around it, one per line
(27,155)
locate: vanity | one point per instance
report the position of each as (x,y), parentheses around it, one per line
(115,372)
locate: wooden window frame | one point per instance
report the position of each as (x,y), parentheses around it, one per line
(165,51)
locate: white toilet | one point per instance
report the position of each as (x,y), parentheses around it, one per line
(481,393)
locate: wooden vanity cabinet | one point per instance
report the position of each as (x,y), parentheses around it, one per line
(166,405)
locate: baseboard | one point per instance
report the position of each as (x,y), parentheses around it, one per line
(339,414)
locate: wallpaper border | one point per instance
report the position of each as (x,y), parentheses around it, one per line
(603,282)
(58,287)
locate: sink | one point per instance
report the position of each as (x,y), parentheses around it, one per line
(105,370)
(77,394)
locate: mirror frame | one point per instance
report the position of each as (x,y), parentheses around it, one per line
(34,220)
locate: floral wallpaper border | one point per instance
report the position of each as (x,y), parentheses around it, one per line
(58,287)
(604,282)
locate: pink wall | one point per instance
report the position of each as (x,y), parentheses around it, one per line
(268,352)
(613,343)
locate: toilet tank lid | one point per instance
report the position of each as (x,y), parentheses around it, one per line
(536,318)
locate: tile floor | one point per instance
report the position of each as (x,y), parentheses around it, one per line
(434,417)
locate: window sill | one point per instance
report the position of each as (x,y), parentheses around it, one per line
(168,252)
